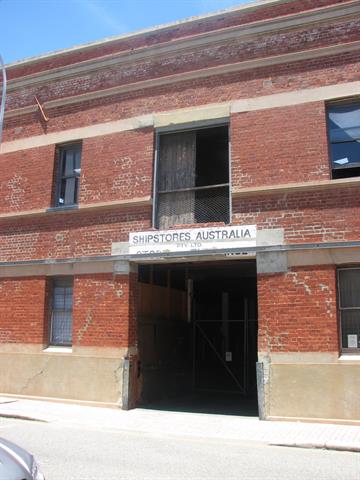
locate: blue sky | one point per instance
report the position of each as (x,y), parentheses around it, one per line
(32,27)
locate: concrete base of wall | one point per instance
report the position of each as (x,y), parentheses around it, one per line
(322,391)
(96,379)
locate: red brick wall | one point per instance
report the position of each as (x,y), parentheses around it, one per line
(279,145)
(187,94)
(117,167)
(26,179)
(313,216)
(297,311)
(23,310)
(103,310)
(71,234)
(113,167)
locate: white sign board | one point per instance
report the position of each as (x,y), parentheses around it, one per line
(352,341)
(192,240)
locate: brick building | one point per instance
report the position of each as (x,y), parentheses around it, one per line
(183,214)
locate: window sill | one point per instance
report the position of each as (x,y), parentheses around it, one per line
(348,357)
(62,208)
(239,191)
(133,202)
(57,349)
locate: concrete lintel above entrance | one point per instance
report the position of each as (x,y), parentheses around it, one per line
(271,262)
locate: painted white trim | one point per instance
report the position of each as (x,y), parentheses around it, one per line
(296,97)
(80,133)
(349,358)
(57,349)
(190,115)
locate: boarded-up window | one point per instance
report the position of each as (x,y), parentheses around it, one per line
(193,177)
(349,305)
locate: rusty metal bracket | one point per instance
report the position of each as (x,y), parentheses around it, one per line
(46,119)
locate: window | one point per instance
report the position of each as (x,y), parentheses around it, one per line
(192,184)
(344,136)
(349,305)
(61,311)
(68,175)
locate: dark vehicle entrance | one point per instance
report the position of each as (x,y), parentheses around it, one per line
(198,336)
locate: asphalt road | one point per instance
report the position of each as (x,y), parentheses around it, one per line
(84,453)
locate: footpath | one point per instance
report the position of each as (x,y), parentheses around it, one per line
(157,422)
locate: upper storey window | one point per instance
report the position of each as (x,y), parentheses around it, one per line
(192,184)
(68,179)
(344,135)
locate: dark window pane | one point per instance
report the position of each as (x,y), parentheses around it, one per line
(212,156)
(188,160)
(178,278)
(344,117)
(68,181)
(176,168)
(61,328)
(349,288)
(61,316)
(350,328)
(144,273)
(160,275)
(69,163)
(344,135)
(69,191)
(175,209)
(345,155)
(77,159)
(212,205)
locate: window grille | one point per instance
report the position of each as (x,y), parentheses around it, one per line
(349,306)
(193,177)
(61,315)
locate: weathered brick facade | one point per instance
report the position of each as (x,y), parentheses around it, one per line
(274,67)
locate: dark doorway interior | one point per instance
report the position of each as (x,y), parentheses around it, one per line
(198,337)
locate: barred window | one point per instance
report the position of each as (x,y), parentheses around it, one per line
(344,137)
(192,184)
(349,306)
(61,314)
(68,175)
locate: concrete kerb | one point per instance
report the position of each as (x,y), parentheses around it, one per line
(154,422)
(321,446)
(22,417)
